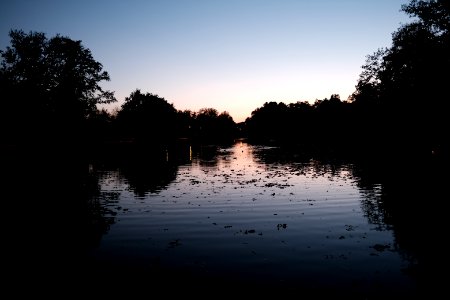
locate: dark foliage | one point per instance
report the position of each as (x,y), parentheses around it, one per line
(398,108)
(50,87)
(147,118)
(50,91)
(323,127)
(212,127)
(406,85)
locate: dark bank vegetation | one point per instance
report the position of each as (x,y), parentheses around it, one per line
(51,88)
(398,106)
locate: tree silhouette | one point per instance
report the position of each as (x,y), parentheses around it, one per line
(147,118)
(48,85)
(268,123)
(102,127)
(206,121)
(226,127)
(398,107)
(185,124)
(407,81)
(317,128)
(210,126)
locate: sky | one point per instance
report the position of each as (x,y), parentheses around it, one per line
(231,55)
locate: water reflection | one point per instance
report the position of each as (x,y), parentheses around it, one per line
(147,175)
(51,214)
(409,202)
(256,217)
(243,216)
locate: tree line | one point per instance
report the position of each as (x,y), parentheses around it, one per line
(50,91)
(398,107)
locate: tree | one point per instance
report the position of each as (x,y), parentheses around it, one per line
(212,127)
(433,14)
(148,118)
(186,123)
(269,122)
(226,127)
(48,83)
(206,124)
(408,79)
(367,89)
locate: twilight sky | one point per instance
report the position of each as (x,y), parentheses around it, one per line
(231,55)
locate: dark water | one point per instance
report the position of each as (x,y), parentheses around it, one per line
(225,218)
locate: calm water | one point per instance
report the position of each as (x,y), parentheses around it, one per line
(245,215)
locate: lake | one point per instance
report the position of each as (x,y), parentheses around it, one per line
(228,217)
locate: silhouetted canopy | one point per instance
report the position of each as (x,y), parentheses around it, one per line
(48,83)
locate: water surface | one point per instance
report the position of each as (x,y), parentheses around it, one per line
(226,217)
(243,214)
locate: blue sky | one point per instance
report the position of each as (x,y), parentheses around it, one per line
(229,55)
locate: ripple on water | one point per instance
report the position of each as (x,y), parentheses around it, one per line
(238,213)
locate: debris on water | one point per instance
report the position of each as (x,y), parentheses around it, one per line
(227,226)
(283,226)
(249,231)
(174,243)
(342,237)
(350,227)
(380,248)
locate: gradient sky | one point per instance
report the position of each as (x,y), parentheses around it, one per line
(229,55)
